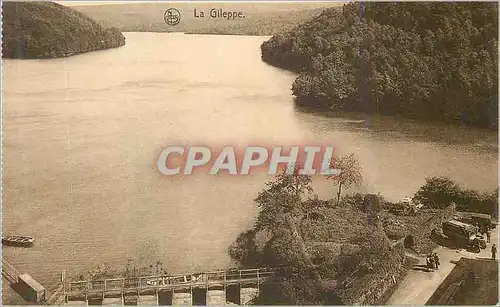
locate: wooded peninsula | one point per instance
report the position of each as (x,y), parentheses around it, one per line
(434,61)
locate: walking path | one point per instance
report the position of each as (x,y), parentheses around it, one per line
(418,286)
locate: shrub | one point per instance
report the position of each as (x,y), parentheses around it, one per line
(244,250)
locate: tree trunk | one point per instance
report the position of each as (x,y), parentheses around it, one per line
(302,248)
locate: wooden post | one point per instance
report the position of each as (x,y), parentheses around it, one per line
(191,289)
(137,287)
(64,286)
(239,285)
(123,290)
(173,292)
(258,282)
(225,286)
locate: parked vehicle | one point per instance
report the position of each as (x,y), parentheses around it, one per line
(464,234)
(482,220)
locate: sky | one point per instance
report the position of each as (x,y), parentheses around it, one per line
(80,3)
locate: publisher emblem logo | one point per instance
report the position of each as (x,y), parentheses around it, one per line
(172,17)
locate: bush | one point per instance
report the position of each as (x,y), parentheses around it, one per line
(372,203)
(396,231)
(244,250)
(438,192)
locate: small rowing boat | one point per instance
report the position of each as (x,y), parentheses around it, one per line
(18,241)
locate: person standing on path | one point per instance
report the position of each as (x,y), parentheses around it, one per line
(436,260)
(488,236)
(432,263)
(493,252)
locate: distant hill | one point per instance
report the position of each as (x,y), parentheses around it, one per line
(260,18)
(49,30)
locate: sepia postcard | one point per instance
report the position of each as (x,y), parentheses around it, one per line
(249,153)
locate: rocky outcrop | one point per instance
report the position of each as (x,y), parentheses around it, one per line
(51,30)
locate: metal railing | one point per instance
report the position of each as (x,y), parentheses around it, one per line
(204,280)
(54,298)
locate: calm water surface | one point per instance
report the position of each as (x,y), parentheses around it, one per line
(81,136)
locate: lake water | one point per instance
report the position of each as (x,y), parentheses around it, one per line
(81,136)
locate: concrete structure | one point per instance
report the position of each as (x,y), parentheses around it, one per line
(182,299)
(216,297)
(147,300)
(25,285)
(31,289)
(76,303)
(210,288)
(110,301)
(247,295)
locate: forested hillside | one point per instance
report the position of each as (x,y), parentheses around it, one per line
(50,30)
(260,18)
(433,60)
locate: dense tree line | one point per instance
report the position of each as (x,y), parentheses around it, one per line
(440,192)
(430,60)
